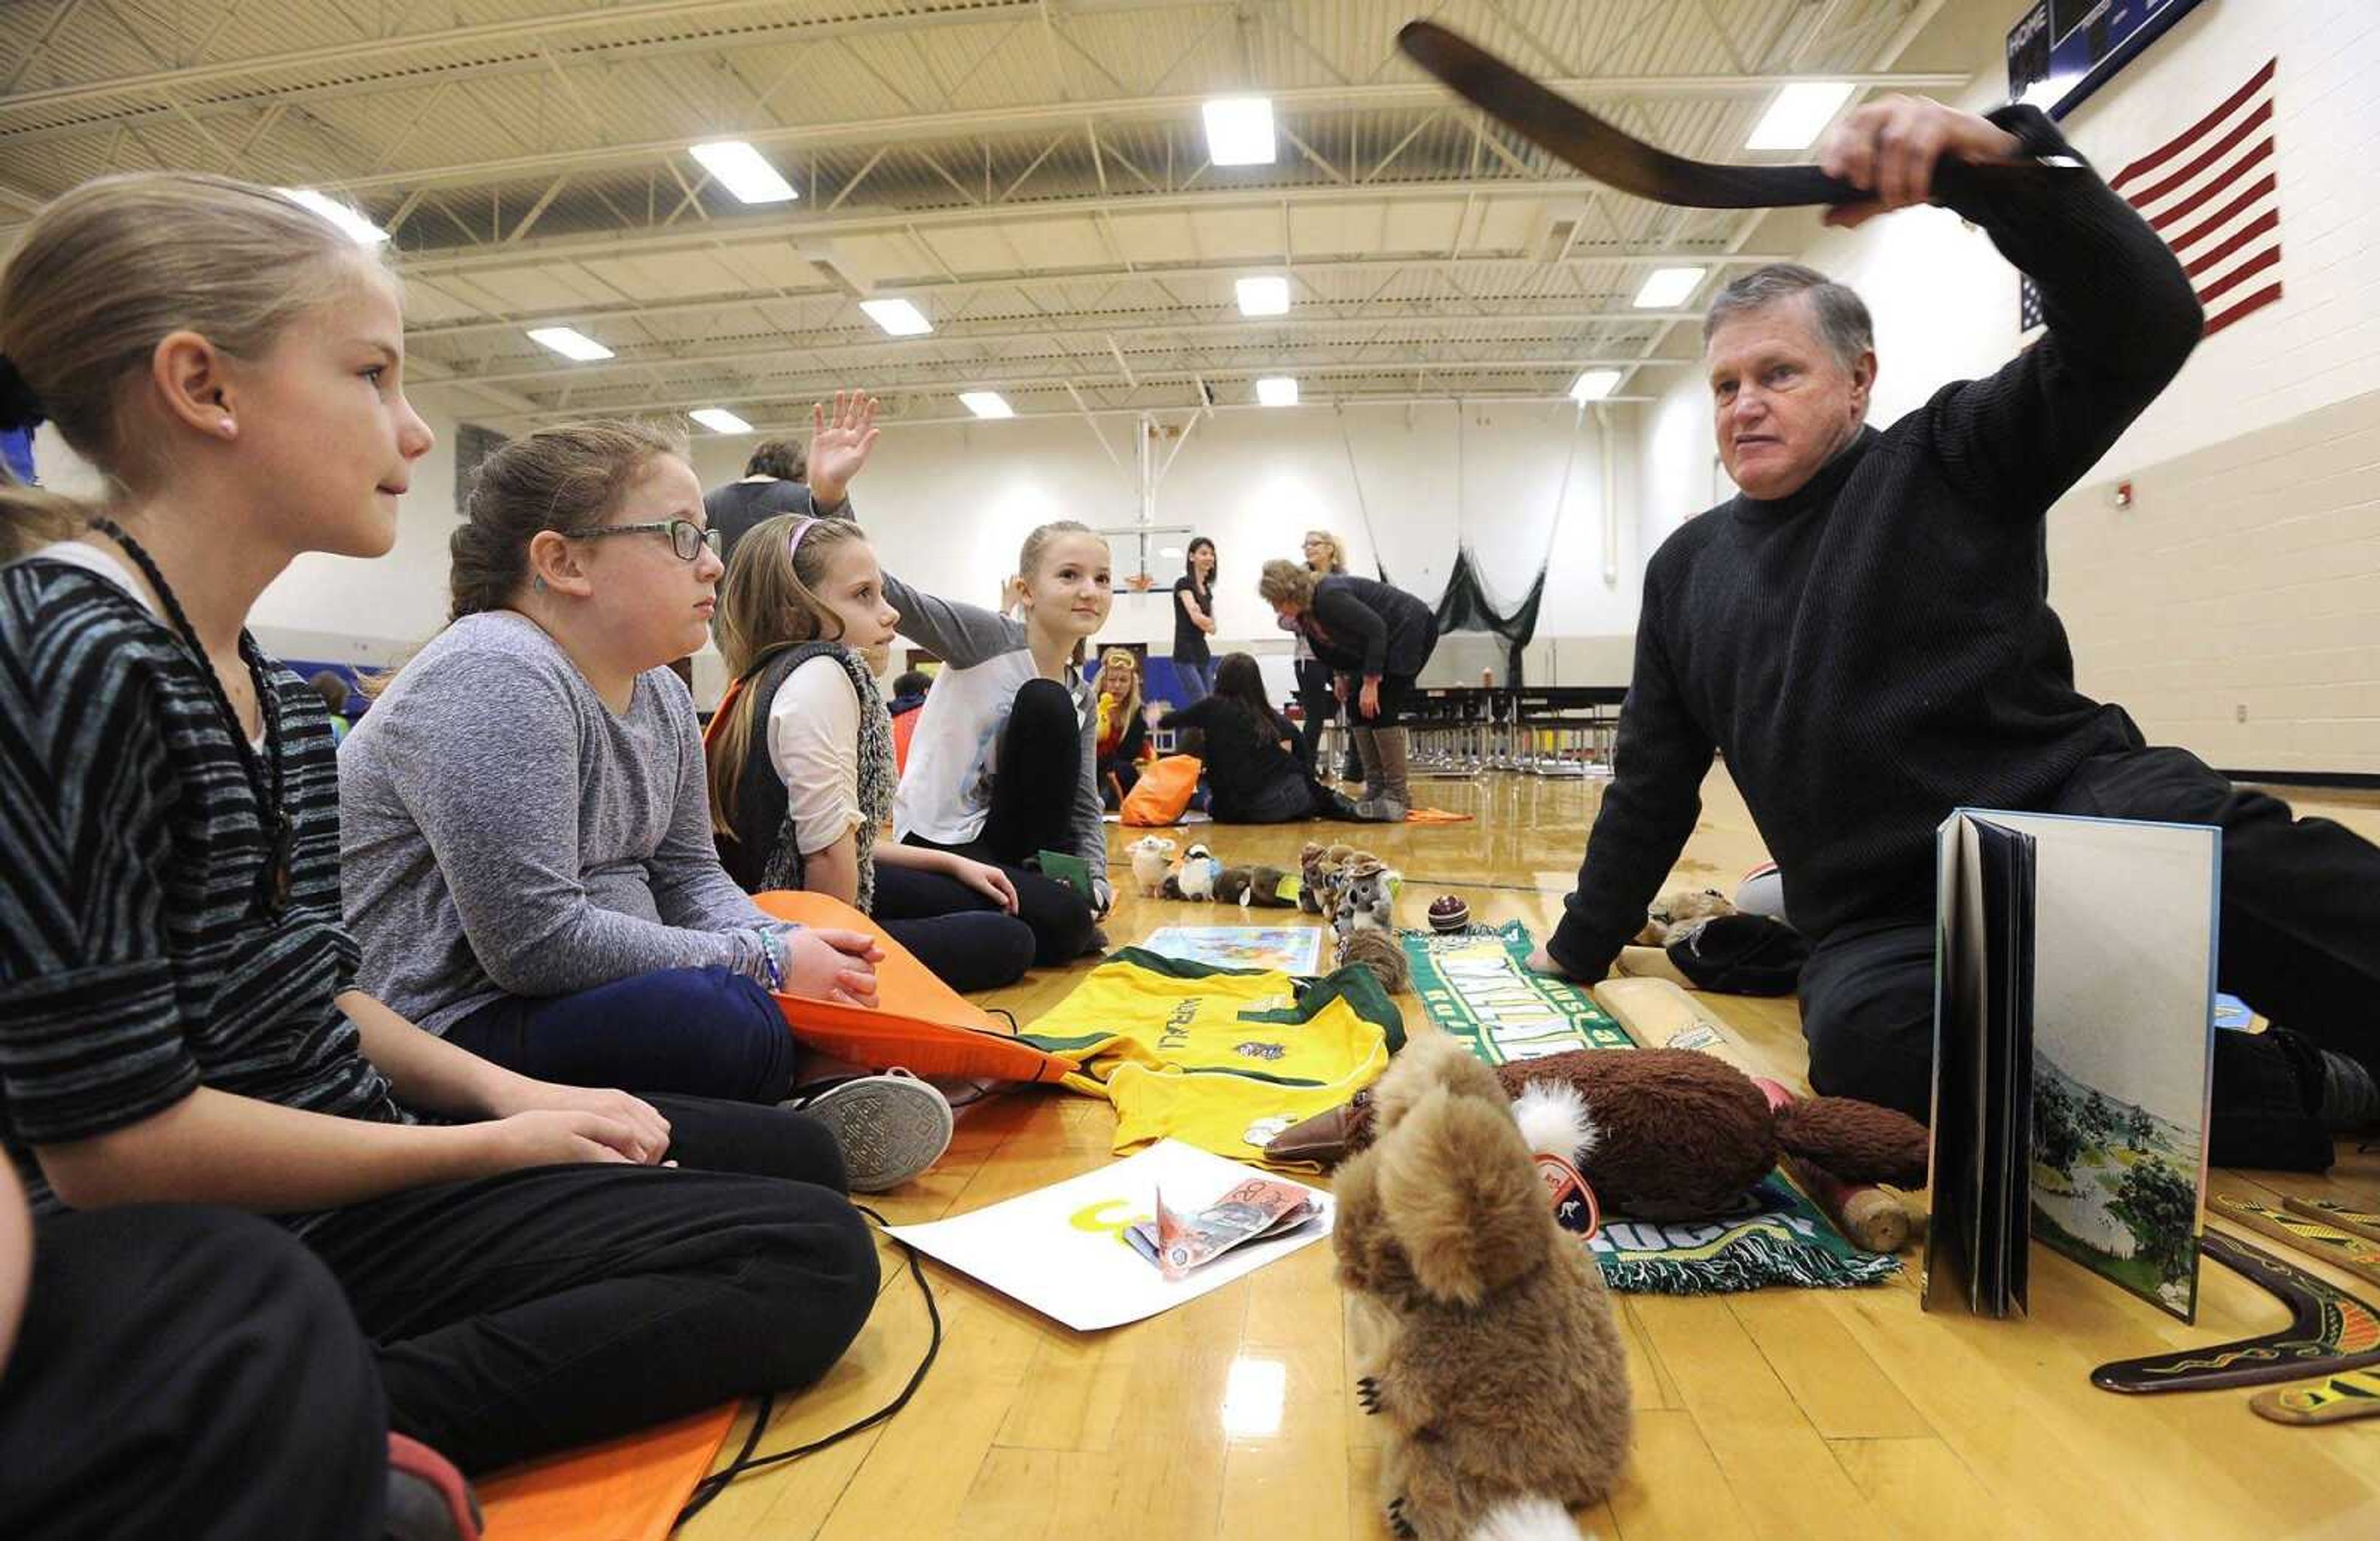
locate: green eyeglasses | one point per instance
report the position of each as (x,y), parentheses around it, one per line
(687,538)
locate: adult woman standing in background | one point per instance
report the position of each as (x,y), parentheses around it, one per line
(1376,638)
(1324,556)
(1194,620)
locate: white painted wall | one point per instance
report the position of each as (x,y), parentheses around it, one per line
(2244,576)
(950,505)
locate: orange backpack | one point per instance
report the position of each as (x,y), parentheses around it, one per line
(1163,791)
(919,1022)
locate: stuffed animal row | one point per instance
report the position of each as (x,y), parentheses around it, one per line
(1201,876)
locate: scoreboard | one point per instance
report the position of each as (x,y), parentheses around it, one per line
(2061,51)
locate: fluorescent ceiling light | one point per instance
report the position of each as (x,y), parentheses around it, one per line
(357,229)
(1668,287)
(1239,131)
(743,171)
(898,317)
(1799,110)
(720,420)
(1276,390)
(1265,295)
(569,343)
(987,404)
(1594,385)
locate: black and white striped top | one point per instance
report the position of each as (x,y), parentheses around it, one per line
(134,964)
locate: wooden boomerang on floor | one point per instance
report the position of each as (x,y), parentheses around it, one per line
(2329,1330)
(1562,128)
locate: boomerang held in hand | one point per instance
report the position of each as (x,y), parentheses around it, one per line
(1562,128)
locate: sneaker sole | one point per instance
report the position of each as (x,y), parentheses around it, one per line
(888,1129)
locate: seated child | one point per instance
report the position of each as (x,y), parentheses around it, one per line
(800,756)
(1253,774)
(1123,745)
(178,1011)
(1005,758)
(525,823)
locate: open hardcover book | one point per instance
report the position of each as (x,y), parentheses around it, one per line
(2073,1045)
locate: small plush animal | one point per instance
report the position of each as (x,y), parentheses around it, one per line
(1259,886)
(1481,1332)
(1368,897)
(1679,1134)
(1674,916)
(1328,871)
(1199,869)
(1309,875)
(1152,856)
(1380,952)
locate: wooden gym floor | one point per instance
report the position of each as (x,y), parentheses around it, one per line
(1784,1413)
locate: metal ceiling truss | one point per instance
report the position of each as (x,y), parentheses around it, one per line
(1015,154)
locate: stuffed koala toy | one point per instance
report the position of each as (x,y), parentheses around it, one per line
(1481,1332)
(1152,857)
(1322,870)
(1676,915)
(1366,896)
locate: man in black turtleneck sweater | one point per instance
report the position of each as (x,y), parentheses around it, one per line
(1866,633)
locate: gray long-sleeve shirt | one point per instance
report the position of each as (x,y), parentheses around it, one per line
(504,832)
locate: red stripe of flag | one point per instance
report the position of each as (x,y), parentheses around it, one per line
(2256,155)
(2181,141)
(2248,269)
(2256,302)
(2241,130)
(2269,220)
(2229,211)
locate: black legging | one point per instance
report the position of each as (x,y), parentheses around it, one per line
(959,934)
(188,1372)
(554,1306)
(2301,943)
(1316,703)
(1034,771)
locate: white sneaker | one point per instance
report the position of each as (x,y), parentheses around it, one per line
(891,1127)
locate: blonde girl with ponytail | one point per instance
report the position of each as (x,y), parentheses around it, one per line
(801,763)
(1003,762)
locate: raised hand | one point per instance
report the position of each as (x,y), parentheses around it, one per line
(840,445)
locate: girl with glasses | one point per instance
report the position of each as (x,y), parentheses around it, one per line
(526,828)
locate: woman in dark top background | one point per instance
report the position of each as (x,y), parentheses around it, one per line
(1194,620)
(1324,556)
(1253,773)
(1376,638)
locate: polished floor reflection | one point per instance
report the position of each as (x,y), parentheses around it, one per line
(1786,1413)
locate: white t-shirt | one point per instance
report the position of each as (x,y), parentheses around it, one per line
(814,743)
(945,794)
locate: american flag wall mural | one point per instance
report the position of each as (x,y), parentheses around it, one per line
(2212,194)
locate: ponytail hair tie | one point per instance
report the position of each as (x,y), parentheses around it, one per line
(20,406)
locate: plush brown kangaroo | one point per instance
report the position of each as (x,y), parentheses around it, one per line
(1481,1333)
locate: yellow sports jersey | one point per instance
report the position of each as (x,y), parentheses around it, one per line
(1222,1058)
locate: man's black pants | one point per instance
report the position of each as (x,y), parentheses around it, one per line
(2300,942)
